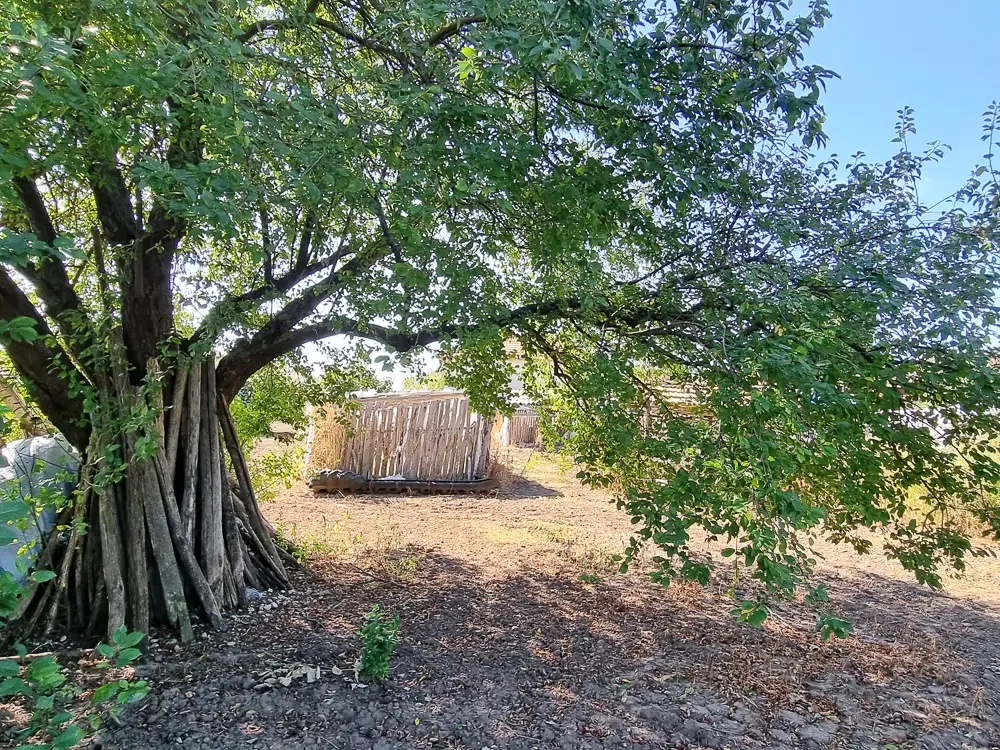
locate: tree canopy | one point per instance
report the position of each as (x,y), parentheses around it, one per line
(634,190)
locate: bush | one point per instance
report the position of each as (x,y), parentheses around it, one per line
(48,694)
(378,643)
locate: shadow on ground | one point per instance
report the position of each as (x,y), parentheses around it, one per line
(537,661)
(522,487)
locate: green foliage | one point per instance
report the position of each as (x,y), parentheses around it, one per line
(752,613)
(630,188)
(17,329)
(281,391)
(273,471)
(432,381)
(41,684)
(835,379)
(830,626)
(477,364)
(45,690)
(11,591)
(9,426)
(378,643)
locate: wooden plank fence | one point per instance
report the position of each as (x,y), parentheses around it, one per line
(524,427)
(432,436)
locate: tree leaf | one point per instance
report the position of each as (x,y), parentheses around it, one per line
(14,686)
(70,737)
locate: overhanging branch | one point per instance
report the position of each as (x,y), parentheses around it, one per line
(250,355)
(237,304)
(113,202)
(39,363)
(269,24)
(276,24)
(449,30)
(453,28)
(49,276)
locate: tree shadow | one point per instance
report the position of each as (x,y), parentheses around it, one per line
(522,487)
(536,661)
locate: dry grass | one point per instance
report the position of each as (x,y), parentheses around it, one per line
(502,467)
(330,433)
(379,550)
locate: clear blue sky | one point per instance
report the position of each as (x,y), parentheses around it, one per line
(941,57)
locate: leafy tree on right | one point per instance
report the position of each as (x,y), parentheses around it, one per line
(840,338)
(632,189)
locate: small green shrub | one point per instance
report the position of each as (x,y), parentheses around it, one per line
(378,643)
(48,693)
(829,626)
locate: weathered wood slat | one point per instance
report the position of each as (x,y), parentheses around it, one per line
(426,437)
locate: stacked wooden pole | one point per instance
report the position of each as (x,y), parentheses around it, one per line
(174,536)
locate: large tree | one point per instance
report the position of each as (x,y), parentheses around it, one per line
(630,188)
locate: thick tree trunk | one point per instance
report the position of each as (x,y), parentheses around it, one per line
(166,537)
(146,559)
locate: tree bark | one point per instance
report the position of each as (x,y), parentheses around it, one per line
(113,560)
(260,534)
(211,547)
(185,549)
(40,364)
(235,551)
(192,437)
(135,525)
(144,559)
(175,419)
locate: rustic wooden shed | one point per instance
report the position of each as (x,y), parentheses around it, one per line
(427,435)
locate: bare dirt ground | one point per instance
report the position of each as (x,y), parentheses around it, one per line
(505,646)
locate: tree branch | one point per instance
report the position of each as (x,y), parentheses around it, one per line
(265,24)
(451,29)
(305,242)
(365,42)
(49,276)
(38,362)
(701,46)
(148,305)
(250,355)
(269,24)
(275,24)
(265,236)
(38,215)
(278,339)
(239,303)
(383,223)
(114,204)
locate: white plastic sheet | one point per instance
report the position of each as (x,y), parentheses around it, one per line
(33,473)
